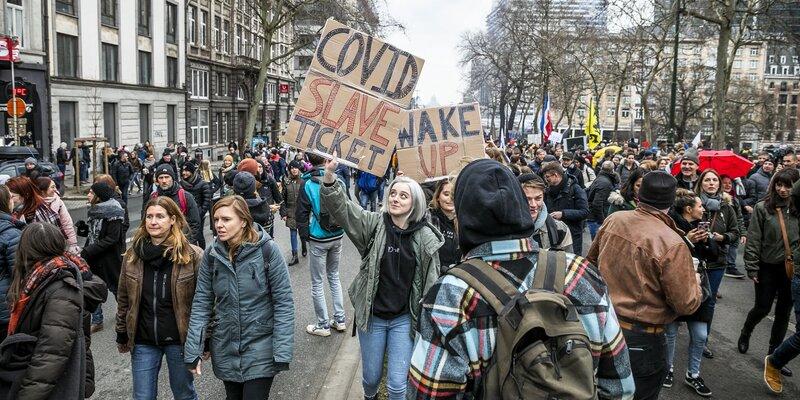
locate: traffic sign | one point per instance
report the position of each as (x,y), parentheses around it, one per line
(15,107)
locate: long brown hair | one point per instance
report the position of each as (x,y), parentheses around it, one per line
(23,186)
(38,242)
(176,243)
(239,206)
(5,199)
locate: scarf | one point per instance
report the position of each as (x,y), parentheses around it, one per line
(41,271)
(108,210)
(712,203)
(540,219)
(503,250)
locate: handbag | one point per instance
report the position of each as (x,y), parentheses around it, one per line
(788,261)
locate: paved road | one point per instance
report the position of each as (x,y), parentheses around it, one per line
(730,375)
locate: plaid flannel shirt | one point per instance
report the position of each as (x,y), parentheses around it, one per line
(457,329)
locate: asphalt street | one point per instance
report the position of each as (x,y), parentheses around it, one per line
(730,375)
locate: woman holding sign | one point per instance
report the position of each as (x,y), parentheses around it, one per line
(400,263)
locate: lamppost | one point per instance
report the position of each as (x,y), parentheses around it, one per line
(674,89)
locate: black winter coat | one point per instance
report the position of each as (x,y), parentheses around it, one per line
(105,255)
(601,189)
(9,238)
(570,199)
(201,190)
(122,172)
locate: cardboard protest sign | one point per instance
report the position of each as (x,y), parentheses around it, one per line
(330,116)
(437,142)
(367,63)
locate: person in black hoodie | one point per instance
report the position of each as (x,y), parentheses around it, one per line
(202,191)
(244,184)
(443,217)
(605,183)
(687,212)
(122,171)
(168,186)
(566,201)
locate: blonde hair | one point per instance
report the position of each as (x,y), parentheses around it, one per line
(239,206)
(205,171)
(176,241)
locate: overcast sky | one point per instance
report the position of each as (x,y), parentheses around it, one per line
(433,28)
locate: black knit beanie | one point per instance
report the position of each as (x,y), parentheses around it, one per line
(658,189)
(103,191)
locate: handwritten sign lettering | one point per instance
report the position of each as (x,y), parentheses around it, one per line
(367,63)
(436,142)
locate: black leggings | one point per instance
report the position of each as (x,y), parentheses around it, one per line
(256,389)
(772,282)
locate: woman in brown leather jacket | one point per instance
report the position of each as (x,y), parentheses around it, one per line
(156,289)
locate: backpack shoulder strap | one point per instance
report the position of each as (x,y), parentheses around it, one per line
(551,271)
(491,284)
(182,200)
(553,235)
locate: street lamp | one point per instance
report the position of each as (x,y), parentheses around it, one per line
(674,89)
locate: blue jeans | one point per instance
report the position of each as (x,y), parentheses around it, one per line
(731,256)
(714,280)
(393,339)
(97,315)
(790,348)
(368,199)
(698,336)
(593,228)
(324,262)
(293,240)
(145,365)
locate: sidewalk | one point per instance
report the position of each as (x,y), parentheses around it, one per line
(343,380)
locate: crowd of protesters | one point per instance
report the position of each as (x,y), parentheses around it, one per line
(445,273)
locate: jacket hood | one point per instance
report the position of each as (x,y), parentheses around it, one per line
(317,171)
(6,220)
(255,201)
(611,175)
(109,209)
(616,198)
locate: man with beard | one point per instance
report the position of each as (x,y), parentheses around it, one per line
(193,183)
(760,180)
(167,186)
(690,162)
(538,160)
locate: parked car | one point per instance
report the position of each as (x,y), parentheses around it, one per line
(17,167)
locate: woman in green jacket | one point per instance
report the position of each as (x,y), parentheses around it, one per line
(399,264)
(764,257)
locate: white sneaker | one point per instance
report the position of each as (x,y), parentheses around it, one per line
(339,326)
(317,330)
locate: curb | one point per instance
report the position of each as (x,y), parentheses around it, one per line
(341,378)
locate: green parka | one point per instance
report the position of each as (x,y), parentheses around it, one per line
(367,231)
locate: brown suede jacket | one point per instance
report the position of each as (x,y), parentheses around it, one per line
(646,265)
(184,278)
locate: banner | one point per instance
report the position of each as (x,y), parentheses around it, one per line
(330,116)
(437,142)
(352,98)
(367,63)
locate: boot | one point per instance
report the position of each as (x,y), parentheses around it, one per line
(744,342)
(304,250)
(294,260)
(772,377)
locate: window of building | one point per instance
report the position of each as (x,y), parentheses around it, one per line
(217,37)
(639,113)
(784,70)
(198,123)
(783,59)
(269,92)
(108,12)
(144,123)
(737,64)
(110,62)
(14,25)
(782,99)
(172,23)
(751,76)
(222,84)
(772,85)
(226,47)
(784,86)
(65,6)
(796,85)
(754,51)
(611,112)
(203,28)
(67,120)
(199,89)
(709,112)
(794,59)
(172,72)
(797,70)
(240,93)
(771,59)
(753,64)
(773,69)
(171,123)
(144,10)
(794,99)
(145,68)
(110,123)
(191,34)
(581,112)
(626,113)
(67,55)
(238,40)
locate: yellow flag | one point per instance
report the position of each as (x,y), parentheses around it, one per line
(592,130)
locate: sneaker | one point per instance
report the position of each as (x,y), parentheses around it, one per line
(317,330)
(733,272)
(339,326)
(96,328)
(772,377)
(707,353)
(669,380)
(294,260)
(698,385)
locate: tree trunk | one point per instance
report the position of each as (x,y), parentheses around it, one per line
(721,76)
(513,112)
(258,92)
(616,108)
